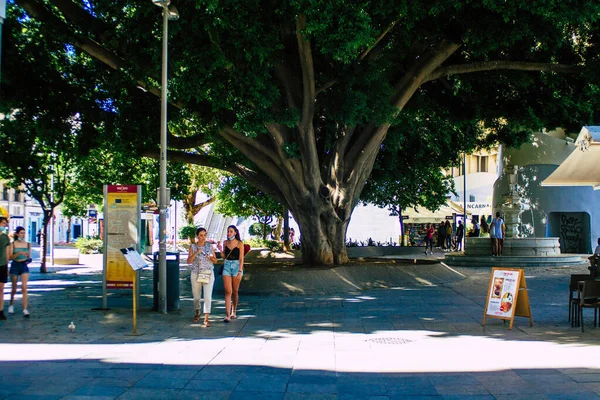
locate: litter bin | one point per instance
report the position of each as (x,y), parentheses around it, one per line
(172,281)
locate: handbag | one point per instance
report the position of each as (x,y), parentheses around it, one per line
(203,277)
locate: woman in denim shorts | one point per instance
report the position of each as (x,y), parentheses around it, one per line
(20,253)
(233,270)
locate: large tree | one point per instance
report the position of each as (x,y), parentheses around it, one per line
(297,97)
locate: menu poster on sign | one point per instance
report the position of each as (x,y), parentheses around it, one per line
(507,296)
(505,284)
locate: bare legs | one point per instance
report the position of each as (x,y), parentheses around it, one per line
(235,297)
(13,280)
(231,286)
(228,286)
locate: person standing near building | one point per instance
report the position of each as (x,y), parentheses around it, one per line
(499,232)
(4,256)
(448,236)
(20,254)
(493,237)
(476,229)
(442,235)
(460,233)
(429,231)
(483,225)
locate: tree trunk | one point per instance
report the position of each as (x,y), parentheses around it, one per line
(401,221)
(286,229)
(45,221)
(323,239)
(68,230)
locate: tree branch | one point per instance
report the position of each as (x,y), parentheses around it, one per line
(310,157)
(379,39)
(185,142)
(506,65)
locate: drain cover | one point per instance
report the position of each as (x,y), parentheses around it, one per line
(395,341)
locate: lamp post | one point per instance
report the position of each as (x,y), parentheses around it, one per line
(169,13)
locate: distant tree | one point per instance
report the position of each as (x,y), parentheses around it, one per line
(238,198)
(408,170)
(204,180)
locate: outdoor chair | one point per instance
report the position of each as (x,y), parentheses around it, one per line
(589,298)
(574,297)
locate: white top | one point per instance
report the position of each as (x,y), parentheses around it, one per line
(597,251)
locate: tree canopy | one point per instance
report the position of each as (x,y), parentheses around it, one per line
(298,97)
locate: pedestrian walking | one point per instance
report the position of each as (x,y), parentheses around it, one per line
(201,259)
(38,236)
(4,257)
(20,254)
(429,231)
(233,271)
(460,232)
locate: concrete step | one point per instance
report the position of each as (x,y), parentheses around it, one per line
(514,261)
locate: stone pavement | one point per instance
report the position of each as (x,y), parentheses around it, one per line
(421,339)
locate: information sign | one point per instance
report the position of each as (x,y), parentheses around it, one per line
(122,205)
(507,296)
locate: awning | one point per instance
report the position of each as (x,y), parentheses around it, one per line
(582,167)
(424,216)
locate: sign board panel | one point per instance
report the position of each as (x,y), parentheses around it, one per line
(507,296)
(121,218)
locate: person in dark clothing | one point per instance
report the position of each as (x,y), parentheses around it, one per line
(442,235)
(460,232)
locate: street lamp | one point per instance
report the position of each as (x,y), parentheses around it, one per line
(169,13)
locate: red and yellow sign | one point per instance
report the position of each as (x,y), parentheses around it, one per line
(122,230)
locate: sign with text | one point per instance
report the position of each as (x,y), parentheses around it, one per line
(122,221)
(507,296)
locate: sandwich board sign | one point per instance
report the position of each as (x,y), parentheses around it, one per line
(507,296)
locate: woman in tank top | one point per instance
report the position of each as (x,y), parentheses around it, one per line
(20,254)
(233,270)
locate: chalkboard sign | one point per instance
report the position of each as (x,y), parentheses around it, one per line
(507,296)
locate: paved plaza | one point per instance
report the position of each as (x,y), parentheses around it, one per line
(419,337)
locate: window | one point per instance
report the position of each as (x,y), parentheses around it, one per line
(472,198)
(482,164)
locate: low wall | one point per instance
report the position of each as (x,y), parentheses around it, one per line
(540,247)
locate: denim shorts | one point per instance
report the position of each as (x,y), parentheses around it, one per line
(18,268)
(231,268)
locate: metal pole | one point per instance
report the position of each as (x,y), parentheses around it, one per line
(162,221)
(464,200)
(52,218)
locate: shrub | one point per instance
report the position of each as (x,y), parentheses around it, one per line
(89,246)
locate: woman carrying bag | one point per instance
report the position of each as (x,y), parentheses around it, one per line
(201,259)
